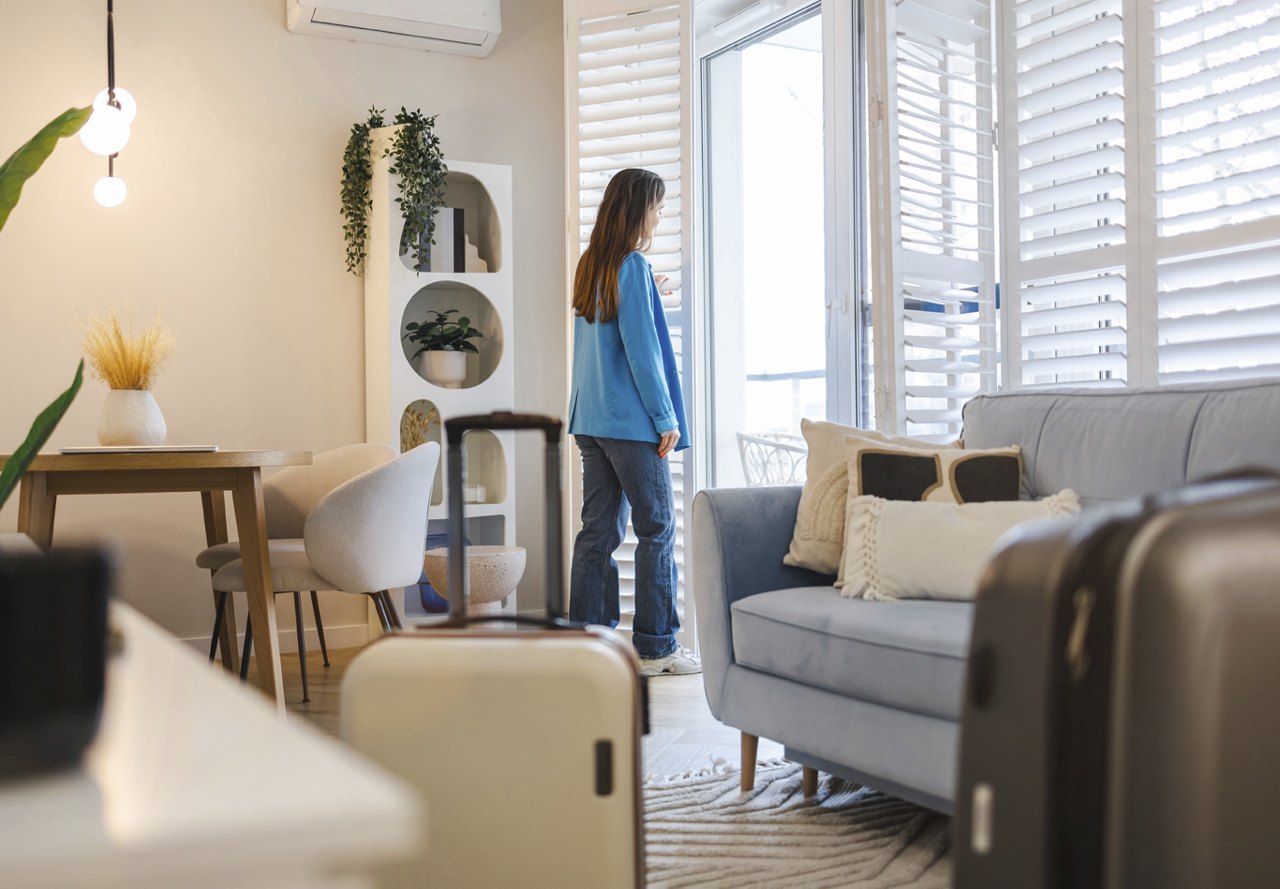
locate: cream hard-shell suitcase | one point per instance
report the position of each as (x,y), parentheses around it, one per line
(523,737)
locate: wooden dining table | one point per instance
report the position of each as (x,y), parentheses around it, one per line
(210,473)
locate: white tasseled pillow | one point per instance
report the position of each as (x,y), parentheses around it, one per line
(898,549)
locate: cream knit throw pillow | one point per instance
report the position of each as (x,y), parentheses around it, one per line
(818,539)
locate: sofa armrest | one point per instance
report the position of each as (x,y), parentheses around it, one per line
(739,538)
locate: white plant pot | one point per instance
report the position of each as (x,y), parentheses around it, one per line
(131,417)
(446,369)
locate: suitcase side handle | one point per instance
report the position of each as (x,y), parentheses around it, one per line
(551,427)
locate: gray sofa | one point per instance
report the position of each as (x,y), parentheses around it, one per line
(872,691)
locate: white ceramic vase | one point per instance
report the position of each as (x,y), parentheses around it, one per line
(445,368)
(131,417)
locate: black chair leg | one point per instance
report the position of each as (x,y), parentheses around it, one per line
(248,647)
(217,624)
(315,609)
(302,645)
(379,607)
(392,613)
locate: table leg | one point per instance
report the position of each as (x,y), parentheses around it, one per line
(215,532)
(251,525)
(36,507)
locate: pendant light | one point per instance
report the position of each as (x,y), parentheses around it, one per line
(107,129)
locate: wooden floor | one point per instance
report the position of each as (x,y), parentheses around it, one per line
(683,735)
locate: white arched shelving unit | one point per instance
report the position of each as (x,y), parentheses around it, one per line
(403,408)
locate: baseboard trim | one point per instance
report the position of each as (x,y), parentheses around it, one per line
(342,636)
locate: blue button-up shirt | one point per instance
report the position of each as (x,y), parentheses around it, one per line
(625,380)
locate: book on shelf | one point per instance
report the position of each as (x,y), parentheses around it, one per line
(448,253)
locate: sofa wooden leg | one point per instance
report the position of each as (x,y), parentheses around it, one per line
(809,781)
(749,745)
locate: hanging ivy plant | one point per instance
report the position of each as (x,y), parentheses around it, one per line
(418,161)
(419,164)
(357,170)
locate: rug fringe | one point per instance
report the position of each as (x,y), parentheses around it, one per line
(719,766)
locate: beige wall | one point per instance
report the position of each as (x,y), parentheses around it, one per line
(231,229)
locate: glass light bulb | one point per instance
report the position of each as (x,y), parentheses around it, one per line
(106,131)
(128,105)
(109,191)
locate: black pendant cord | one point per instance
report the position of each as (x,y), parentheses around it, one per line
(111,75)
(111,57)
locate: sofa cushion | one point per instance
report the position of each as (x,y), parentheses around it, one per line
(1236,428)
(1166,436)
(909,655)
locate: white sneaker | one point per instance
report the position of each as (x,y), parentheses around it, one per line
(682,661)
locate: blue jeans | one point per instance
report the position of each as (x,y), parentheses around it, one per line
(621,479)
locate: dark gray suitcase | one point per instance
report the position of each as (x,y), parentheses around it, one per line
(1121,722)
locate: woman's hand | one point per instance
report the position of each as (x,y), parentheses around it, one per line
(668,441)
(660,280)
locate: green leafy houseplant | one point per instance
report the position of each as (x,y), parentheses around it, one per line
(419,163)
(440,334)
(14,173)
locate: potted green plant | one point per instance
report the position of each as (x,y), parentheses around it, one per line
(418,163)
(14,172)
(443,343)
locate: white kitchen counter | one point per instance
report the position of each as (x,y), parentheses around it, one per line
(195,782)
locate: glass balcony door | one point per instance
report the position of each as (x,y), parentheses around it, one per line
(767,331)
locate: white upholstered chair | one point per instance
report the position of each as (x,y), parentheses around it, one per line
(364,536)
(288,498)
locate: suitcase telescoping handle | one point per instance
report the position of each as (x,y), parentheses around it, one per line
(552,428)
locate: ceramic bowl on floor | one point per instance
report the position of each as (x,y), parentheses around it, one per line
(493,573)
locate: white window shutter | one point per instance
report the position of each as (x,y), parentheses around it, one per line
(932,226)
(629,103)
(1217,169)
(1068,155)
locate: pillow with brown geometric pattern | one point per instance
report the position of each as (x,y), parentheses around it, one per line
(892,467)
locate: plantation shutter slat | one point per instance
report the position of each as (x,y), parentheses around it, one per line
(1109,311)
(1220,374)
(1070,116)
(1072,141)
(1205,76)
(1064,17)
(605,113)
(1182,25)
(1043,294)
(1252,293)
(1217,188)
(629,82)
(1073,66)
(1265,86)
(1075,339)
(1223,157)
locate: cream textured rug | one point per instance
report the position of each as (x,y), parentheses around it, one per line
(702,831)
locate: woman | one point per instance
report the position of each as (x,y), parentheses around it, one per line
(627,414)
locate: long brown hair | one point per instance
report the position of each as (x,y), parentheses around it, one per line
(619,229)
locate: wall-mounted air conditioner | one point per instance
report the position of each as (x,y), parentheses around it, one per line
(464,27)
